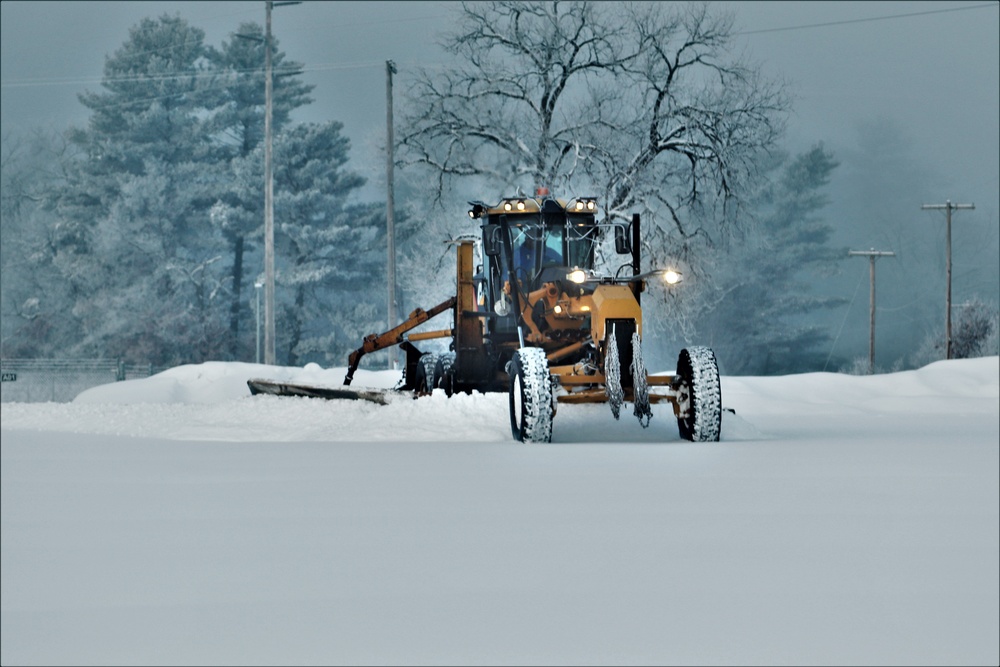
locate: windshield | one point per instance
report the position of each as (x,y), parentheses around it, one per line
(538,247)
(581,237)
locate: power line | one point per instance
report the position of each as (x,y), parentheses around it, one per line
(865,20)
(59,81)
(208,74)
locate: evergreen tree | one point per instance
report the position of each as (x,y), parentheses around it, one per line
(330,251)
(135,240)
(759,324)
(130,257)
(35,305)
(237,125)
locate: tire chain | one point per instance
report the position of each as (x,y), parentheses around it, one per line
(613,376)
(640,387)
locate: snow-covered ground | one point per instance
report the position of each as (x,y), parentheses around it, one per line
(178,520)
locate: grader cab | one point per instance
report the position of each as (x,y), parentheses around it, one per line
(535,319)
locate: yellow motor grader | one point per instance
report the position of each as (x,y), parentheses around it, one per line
(535,319)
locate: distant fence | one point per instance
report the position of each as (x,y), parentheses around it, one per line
(60,380)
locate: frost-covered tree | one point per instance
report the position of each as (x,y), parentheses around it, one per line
(640,104)
(762,322)
(237,124)
(330,250)
(134,239)
(975,330)
(35,307)
(157,213)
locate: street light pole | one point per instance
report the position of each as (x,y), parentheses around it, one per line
(269,333)
(872,255)
(948,208)
(268,198)
(390,69)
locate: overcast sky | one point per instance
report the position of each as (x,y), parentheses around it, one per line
(929,67)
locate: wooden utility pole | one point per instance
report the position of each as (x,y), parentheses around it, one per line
(269,332)
(948,207)
(872,255)
(269,357)
(390,222)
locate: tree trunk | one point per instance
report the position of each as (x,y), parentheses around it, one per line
(234,311)
(295,326)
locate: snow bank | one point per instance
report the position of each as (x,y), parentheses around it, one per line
(211,401)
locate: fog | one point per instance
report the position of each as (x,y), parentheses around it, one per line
(905,94)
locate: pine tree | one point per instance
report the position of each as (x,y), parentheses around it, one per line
(165,184)
(135,240)
(237,125)
(760,326)
(330,251)
(36,317)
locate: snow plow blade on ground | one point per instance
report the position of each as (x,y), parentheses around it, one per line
(533,317)
(275,388)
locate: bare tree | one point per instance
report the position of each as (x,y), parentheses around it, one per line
(639,103)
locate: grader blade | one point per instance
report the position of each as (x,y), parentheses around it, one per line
(380,396)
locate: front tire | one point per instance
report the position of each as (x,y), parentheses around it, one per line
(699,395)
(530,396)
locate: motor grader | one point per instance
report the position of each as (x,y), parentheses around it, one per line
(534,319)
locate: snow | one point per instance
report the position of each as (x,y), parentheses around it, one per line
(179,520)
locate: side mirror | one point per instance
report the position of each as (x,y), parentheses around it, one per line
(622,244)
(491,240)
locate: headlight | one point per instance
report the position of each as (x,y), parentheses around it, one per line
(671,277)
(502,307)
(578,276)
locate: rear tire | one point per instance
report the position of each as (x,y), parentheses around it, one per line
(424,380)
(530,396)
(699,395)
(444,373)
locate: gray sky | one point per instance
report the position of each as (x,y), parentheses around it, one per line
(933,73)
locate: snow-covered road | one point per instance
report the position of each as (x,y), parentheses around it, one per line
(177,520)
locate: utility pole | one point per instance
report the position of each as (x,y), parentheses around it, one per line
(269,334)
(948,208)
(872,255)
(390,221)
(269,357)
